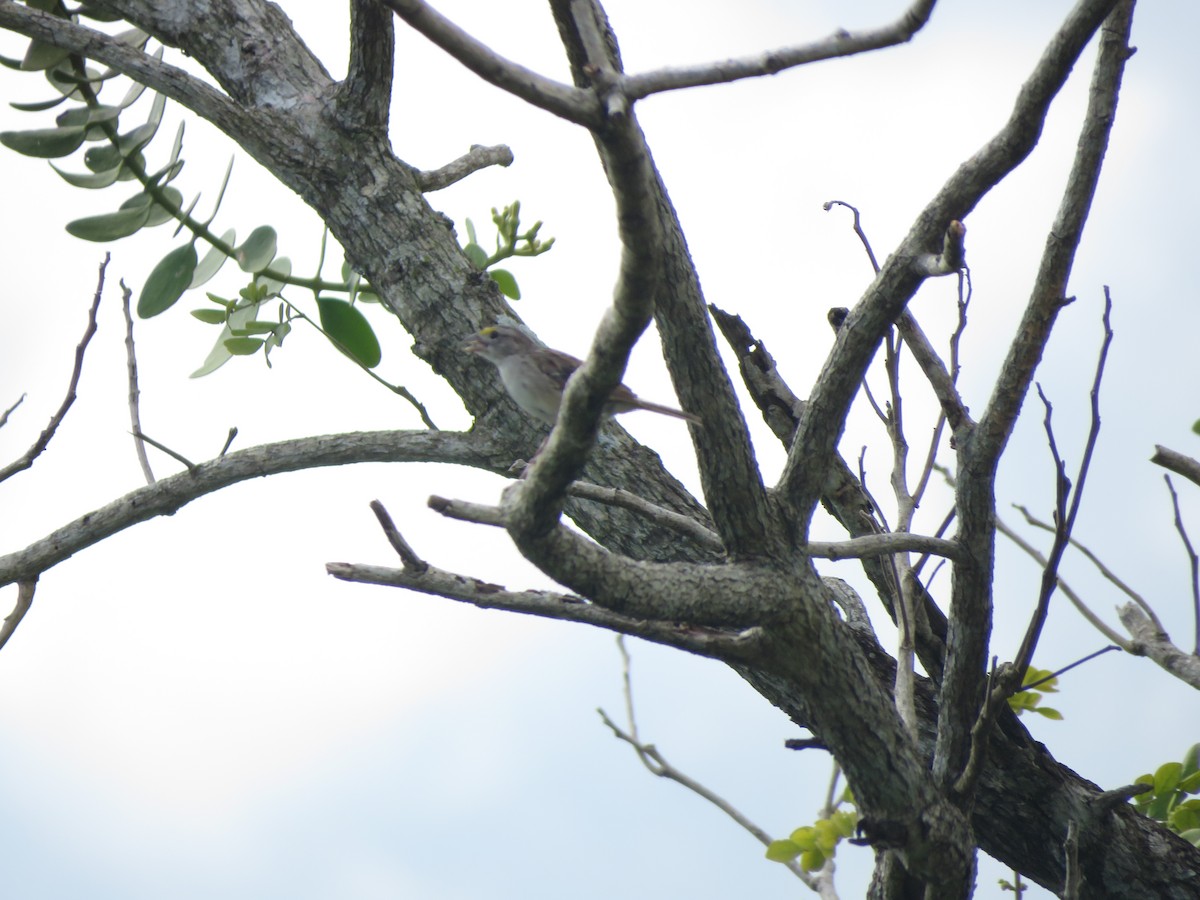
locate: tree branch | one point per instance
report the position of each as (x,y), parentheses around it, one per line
(841,43)
(720,644)
(478,157)
(570,103)
(168,495)
(26,459)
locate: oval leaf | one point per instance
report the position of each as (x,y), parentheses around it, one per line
(258,250)
(109,226)
(782,851)
(243,346)
(86,180)
(507,284)
(350,330)
(45,143)
(210,316)
(168,281)
(213,260)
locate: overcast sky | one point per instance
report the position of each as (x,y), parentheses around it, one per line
(194,709)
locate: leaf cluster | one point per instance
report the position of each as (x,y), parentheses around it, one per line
(1168,801)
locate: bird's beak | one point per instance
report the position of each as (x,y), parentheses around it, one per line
(473,344)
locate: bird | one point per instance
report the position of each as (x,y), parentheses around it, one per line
(536,376)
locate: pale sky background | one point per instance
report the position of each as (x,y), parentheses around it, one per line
(194,709)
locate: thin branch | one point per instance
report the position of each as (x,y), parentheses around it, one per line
(1177,462)
(1193,560)
(135,419)
(25,591)
(1067,668)
(884,543)
(26,459)
(8,412)
(656,764)
(478,157)
(178,457)
(721,644)
(571,103)
(1104,570)
(407,555)
(1068,591)
(841,43)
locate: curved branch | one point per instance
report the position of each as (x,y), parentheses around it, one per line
(168,495)
(571,103)
(840,43)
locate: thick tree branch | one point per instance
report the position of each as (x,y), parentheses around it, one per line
(366,94)
(169,80)
(824,416)
(1177,462)
(979,448)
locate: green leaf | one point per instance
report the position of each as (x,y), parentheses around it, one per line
(812,860)
(471,238)
(212,261)
(220,354)
(1196,426)
(782,851)
(476,254)
(243,346)
(84,115)
(38,105)
(804,837)
(108,226)
(1192,836)
(1166,778)
(507,284)
(210,316)
(350,329)
(1190,784)
(92,180)
(258,250)
(39,56)
(1049,713)
(45,143)
(168,281)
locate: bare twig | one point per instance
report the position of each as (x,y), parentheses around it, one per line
(8,412)
(233,432)
(135,419)
(1079,662)
(654,762)
(26,459)
(25,590)
(1177,462)
(1091,557)
(839,44)
(478,157)
(178,457)
(407,555)
(1068,592)
(1193,560)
